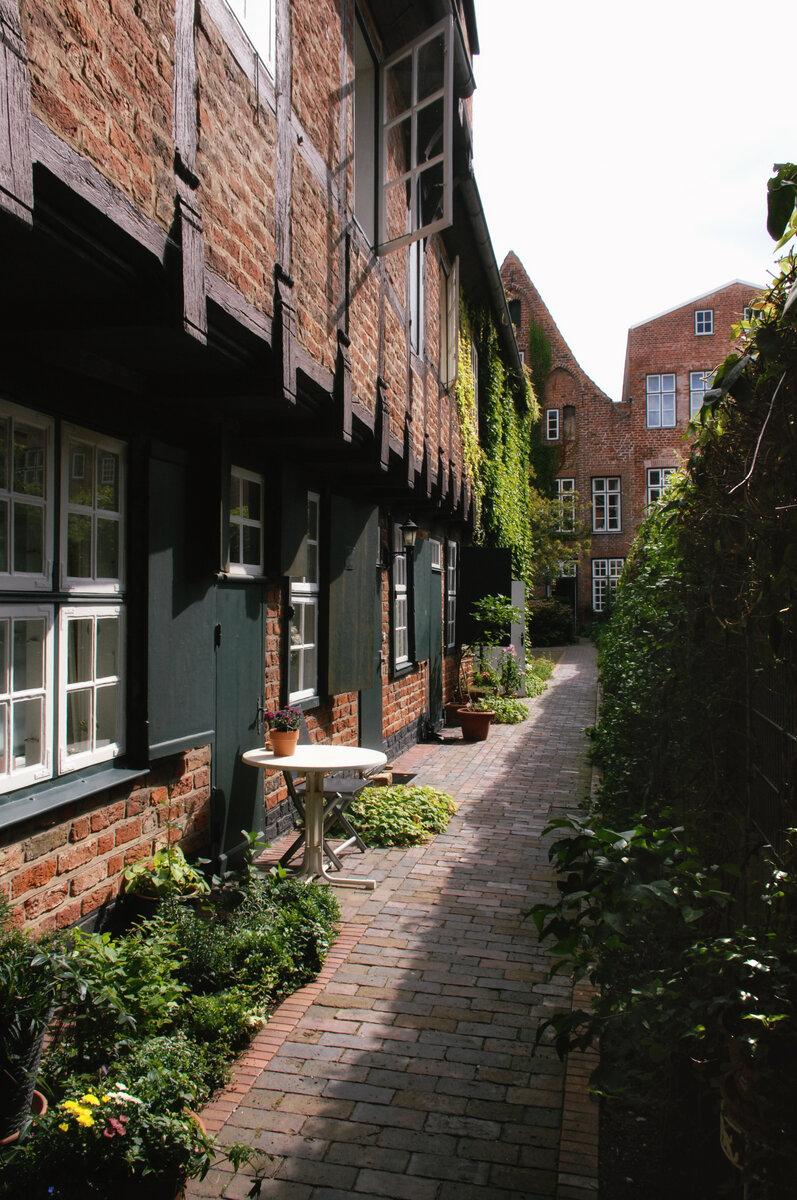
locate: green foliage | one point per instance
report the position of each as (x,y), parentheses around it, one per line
(550,623)
(540,357)
(167,873)
(508,710)
(688,969)
(539,669)
(402,815)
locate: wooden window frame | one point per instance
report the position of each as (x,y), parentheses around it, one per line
(655,391)
(607,504)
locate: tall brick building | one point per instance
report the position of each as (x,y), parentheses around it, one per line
(616,456)
(234,239)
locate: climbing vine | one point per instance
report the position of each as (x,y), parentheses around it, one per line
(465,396)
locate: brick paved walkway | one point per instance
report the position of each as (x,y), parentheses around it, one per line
(405,1071)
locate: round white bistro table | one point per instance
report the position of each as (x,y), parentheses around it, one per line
(314,762)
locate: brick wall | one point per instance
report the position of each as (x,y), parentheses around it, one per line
(101,78)
(62,867)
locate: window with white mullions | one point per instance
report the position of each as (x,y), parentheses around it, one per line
(304,602)
(704,321)
(26,494)
(606,574)
(452,555)
(566,495)
(416,101)
(92,490)
(660,396)
(246,523)
(700,382)
(606,504)
(91,695)
(552,424)
(26,681)
(401,607)
(658,478)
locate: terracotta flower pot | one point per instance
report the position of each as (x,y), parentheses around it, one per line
(38,1107)
(475,724)
(283,741)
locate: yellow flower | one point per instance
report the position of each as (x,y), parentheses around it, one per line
(65,1127)
(85,1118)
(89,1098)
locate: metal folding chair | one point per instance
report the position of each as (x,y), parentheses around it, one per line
(339,791)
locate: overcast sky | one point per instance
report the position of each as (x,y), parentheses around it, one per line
(622,150)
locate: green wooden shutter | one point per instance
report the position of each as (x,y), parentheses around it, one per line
(181,612)
(293,523)
(353,583)
(421,598)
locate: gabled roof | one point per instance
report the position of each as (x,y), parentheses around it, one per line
(757,287)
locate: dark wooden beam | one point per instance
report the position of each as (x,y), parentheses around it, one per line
(16,165)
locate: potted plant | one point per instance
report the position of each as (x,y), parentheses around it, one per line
(28,986)
(283,730)
(475,720)
(102,1143)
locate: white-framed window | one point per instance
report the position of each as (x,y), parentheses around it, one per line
(606,504)
(417,307)
(436,550)
(700,382)
(704,321)
(62,666)
(658,478)
(92,525)
(566,495)
(568,569)
(257,19)
(27,689)
(247,492)
(91,695)
(606,574)
(304,606)
(416,138)
(452,559)
(449,322)
(552,424)
(27,468)
(750,314)
(401,601)
(660,391)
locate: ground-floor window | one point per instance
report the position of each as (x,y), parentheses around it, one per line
(605,577)
(304,608)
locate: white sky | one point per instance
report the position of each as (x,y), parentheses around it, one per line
(622,150)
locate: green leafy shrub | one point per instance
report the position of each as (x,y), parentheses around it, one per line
(508,711)
(402,815)
(550,623)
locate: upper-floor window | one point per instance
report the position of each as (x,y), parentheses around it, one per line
(606,504)
(660,395)
(246,523)
(257,18)
(514,312)
(699,384)
(304,611)
(658,478)
(62,663)
(552,424)
(403,138)
(566,494)
(436,552)
(704,320)
(449,321)
(750,314)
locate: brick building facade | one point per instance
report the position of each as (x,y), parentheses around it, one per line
(229,307)
(616,456)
